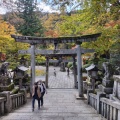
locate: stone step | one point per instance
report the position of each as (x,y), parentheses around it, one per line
(55,118)
(60,104)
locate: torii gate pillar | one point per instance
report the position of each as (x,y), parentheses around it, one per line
(47,71)
(74,71)
(79,71)
(32,65)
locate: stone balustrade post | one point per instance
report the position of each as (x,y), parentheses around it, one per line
(99,95)
(2,109)
(8,104)
(118,114)
(89,91)
(25,94)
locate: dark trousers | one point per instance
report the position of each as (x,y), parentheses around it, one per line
(33,102)
(42,94)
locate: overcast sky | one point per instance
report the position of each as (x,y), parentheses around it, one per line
(41,5)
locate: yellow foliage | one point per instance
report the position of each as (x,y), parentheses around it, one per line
(6,42)
(38,72)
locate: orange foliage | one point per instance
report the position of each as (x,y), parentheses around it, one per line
(2,57)
(112,23)
(51,33)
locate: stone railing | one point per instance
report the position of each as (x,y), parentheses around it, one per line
(2,104)
(110,109)
(17,100)
(9,102)
(107,108)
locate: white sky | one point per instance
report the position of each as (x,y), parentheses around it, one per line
(42,6)
(2,10)
(46,8)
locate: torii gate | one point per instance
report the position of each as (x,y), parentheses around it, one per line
(41,40)
(57,53)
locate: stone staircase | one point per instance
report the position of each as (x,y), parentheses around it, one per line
(59,104)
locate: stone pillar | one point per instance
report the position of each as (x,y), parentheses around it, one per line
(25,94)
(79,72)
(99,95)
(62,67)
(8,104)
(118,115)
(93,84)
(116,88)
(2,108)
(32,66)
(74,72)
(47,71)
(20,83)
(84,86)
(89,91)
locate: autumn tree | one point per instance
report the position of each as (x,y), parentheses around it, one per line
(8,46)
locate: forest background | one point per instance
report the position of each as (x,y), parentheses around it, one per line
(76,17)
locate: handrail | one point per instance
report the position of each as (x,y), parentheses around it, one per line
(112,103)
(16,95)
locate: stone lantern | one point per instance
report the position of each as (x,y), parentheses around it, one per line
(92,71)
(107,82)
(19,73)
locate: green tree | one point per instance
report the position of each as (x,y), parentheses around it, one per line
(31,24)
(94,16)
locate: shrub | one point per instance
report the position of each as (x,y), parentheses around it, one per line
(15,90)
(7,88)
(38,72)
(69,64)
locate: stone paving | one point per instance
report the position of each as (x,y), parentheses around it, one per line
(60,81)
(59,104)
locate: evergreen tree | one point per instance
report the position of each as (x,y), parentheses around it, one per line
(31,24)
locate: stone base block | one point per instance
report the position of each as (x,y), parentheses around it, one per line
(114,98)
(107,90)
(107,83)
(81,98)
(62,70)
